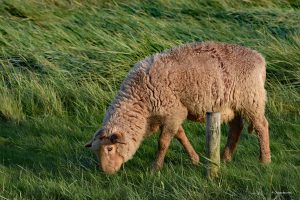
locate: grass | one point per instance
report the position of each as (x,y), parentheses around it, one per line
(61,63)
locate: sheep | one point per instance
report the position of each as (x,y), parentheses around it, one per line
(185,82)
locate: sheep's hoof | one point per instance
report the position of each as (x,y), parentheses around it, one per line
(227,156)
(265,161)
(156,167)
(195,159)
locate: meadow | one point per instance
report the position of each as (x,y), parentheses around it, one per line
(62,62)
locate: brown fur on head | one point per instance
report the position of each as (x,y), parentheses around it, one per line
(110,159)
(106,150)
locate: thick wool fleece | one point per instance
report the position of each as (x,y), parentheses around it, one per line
(189,81)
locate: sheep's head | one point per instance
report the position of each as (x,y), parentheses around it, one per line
(108,149)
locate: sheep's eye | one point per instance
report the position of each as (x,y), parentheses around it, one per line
(109,148)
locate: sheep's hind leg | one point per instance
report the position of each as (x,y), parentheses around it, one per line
(261,126)
(235,130)
(182,138)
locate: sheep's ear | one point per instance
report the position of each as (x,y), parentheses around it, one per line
(94,145)
(96,141)
(88,145)
(117,138)
(99,133)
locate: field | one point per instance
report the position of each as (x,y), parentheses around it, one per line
(62,62)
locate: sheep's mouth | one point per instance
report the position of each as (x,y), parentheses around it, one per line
(111,170)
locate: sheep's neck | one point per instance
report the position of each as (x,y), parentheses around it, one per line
(128,116)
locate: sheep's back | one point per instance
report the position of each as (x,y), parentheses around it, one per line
(207,76)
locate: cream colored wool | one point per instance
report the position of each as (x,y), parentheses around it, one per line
(186,82)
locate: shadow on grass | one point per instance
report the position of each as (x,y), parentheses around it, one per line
(38,149)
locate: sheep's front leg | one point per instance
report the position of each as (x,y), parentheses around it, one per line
(182,138)
(163,145)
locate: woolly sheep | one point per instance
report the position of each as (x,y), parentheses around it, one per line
(185,82)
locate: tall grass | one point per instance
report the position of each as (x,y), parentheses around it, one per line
(61,63)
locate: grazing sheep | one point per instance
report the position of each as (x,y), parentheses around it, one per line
(185,82)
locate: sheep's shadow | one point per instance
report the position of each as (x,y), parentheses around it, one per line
(21,146)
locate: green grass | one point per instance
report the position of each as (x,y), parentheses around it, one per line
(61,63)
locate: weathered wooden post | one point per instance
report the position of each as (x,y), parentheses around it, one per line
(213,137)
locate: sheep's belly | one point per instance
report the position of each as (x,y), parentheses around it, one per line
(227,115)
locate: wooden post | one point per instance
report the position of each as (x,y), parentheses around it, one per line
(213,137)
